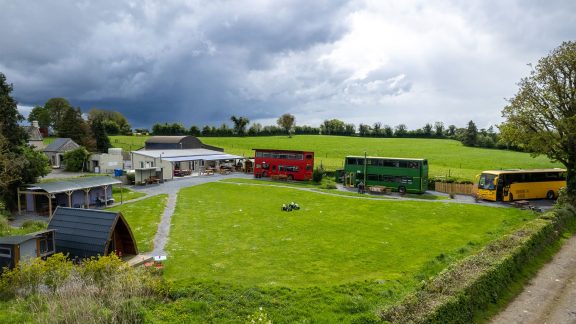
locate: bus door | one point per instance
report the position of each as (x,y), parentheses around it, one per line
(500,188)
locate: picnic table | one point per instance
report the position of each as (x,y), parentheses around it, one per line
(379,189)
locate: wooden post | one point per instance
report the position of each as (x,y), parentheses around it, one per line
(105,196)
(86,200)
(69,193)
(19,209)
(49,205)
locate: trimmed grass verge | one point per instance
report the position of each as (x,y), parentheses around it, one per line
(472,285)
(143,217)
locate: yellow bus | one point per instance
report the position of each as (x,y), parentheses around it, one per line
(510,185)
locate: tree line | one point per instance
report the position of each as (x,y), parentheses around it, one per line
(469,136)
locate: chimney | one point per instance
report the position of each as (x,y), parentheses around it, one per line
(35,123)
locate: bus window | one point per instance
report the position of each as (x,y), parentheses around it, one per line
(308,156)
(487,181)
(265,166)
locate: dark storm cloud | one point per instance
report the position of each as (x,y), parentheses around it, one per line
(185,60)
(199,62)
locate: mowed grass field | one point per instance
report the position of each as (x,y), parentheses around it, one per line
(446,157)
(337,259)
(143,218)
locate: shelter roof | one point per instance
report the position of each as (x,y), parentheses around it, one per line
(165,139)
(73,184)
(166,154)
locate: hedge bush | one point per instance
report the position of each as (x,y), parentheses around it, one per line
(457,293)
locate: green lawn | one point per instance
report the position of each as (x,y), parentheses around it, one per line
(143,217)
(232,249)
(125,194)
(446,157)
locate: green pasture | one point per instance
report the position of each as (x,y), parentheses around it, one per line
(143,216)
(232,250)
(446,157)
(121,194)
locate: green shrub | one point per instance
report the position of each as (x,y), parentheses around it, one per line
(74,160)
(100,290)
(131,177)
(34,225)
(317,175)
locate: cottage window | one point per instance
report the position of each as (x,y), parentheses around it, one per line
(5,253)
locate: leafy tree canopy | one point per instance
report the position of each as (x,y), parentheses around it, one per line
(541,117)
(286,122)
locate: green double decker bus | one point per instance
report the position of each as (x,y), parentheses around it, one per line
(400,174)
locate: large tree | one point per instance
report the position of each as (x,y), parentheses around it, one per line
(541,117)
(41,115)
(18,162)
(57,108)
(470,137)
(76,128)
(10,117)
(286,122)
(240,124)
(114,121)
(100,135)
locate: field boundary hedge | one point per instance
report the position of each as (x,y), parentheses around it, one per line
(457,293)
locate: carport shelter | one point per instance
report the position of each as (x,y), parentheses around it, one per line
(85,233)
(85,192)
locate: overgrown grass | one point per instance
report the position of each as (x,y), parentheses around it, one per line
(125,194)
(336,259)
(143,216)
(446,157)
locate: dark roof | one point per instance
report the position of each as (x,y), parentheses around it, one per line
(73,184)
(165,139)
(19,239)
(33,133)
(83,232)
(274,150)
(57,145)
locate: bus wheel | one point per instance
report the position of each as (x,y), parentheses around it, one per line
(264,175)
(510,197)
(402,190)
(290,177)
(550,195)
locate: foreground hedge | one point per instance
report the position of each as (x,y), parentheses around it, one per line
(457,293)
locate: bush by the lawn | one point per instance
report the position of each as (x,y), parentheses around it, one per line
(456,294)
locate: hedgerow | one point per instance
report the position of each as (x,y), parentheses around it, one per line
(457,293)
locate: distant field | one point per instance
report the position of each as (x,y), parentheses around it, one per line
(446,157)
(333,260)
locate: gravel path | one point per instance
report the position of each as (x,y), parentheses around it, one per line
(550,297)
(164,227)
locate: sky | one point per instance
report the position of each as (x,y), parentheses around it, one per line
(199,62)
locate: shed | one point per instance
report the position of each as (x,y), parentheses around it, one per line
(55,150)
(177,143)
(85,233)
(86,192)
(19,248)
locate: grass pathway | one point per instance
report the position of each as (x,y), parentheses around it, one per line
(164,227)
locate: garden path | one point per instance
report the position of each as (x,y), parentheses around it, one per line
(550,297)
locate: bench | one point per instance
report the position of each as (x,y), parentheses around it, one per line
(279,177)
(153,179)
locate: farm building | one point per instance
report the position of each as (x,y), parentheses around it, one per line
(166,164)
(35,137)
(84,233)
(88,192)
(55,150)
(108,162)
(15,249)
(177,143)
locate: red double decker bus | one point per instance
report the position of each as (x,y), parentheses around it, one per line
(294,165)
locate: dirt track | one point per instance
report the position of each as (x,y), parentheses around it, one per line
(550,297)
